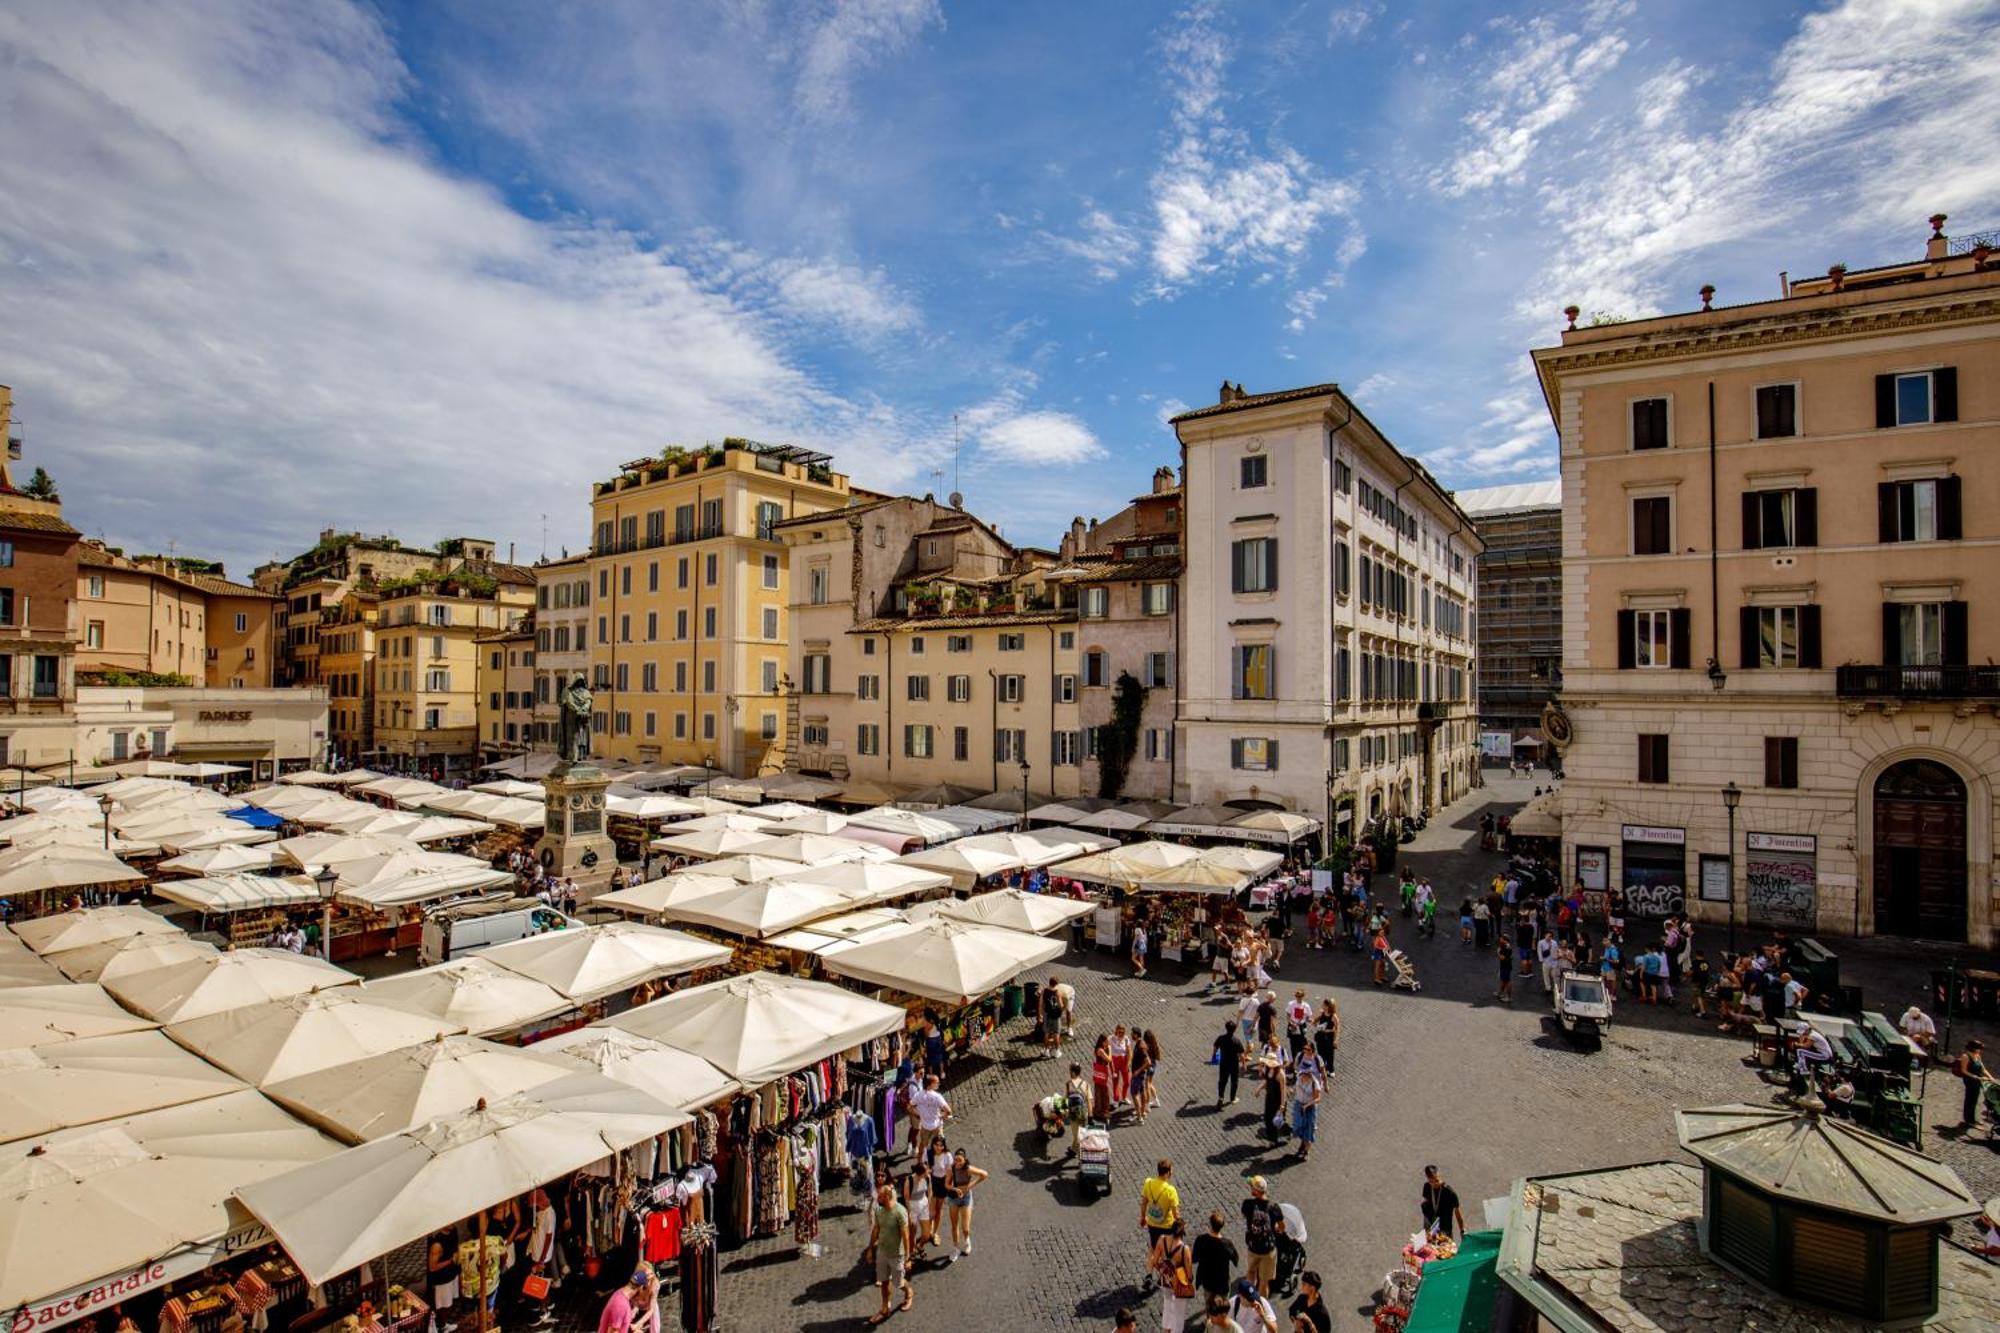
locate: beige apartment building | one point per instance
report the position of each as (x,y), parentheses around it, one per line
(562,640)
(927,649)
(689,596)
(345,664)
(1126,574)
(152,615)
(506,691)
(1781,587)
(427,664)
(322,577)
(1327,614)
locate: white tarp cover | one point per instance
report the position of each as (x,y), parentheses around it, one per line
(1010,909)
(230,980)
(90,925)
(951,961)
(337,1214)
(135,953)
(39,1015)
(302,1034)
(109,1198)
(60,1086)
(589,962)
(239,893)
(385,1094)
(683,1081)
(473,994)
(762,1026)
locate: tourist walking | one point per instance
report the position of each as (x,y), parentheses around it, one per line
(1307,1084)
(1311,1305)
(1174,1263)
(1215,1258)
(1052,1019)
(1141,1076)
(930,1110)
(1505,954)
(1326,1033)
(1260,1235)
(1121,1065)
(1228,1059)
(1440,1205)
(1159,1209)
(890,1240)
(961,1179)
(1298,1021)
(1100,1079)
(1139,947)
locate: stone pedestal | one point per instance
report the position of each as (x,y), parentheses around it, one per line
(574,841)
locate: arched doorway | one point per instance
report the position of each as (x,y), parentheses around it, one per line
(1920,828)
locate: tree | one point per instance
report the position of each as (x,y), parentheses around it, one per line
(41,486)
(1117,741)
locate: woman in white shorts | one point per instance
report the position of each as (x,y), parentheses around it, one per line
(917,1199)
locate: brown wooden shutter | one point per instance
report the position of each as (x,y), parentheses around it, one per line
(1681,621)
(1950,497)
(1892,634)
(1885,511)
(1955,648)
(1885,401)
(1753,521)
(1805,516)
(1944,393)
(1774,761)
(1747,655)
(1627,635)
(1809,636)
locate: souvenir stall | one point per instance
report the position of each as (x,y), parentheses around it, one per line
(1179,927)
(381,898)
(947,969)
(821,1065)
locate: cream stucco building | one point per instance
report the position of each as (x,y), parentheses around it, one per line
(562,640)
(689,598)
(506,691)
(1327,614)
(427,666)
(153,615)
(1781,573)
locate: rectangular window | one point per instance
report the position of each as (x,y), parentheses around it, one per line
(818,669)
(917,689)
(1251,471)
(1253,671)
(1159,599)
(1012,688)
(1159,671)
(1649,423)
(624,674)
(917,741)
(708,726)
(1780,518)
(709,569)
(1096,670)
(770,571)
(1920,511)
(868,738)
(652,576)
(1777,636)
(625,580)
(708,677)
(769,515)
(1652,643)
(1920,633)
(1781,761)
(1065,688)
(1258,754)
(649,677)
(1913,400)
(652,726)
(121,745)
(96,582)
(1253,565)
(681,572)
(961,743)
(1653,525)
(770,677)
(816,585)
(1014,643)
(1062,747)
(93,634)
(1065,640)
(708,621)
(1343,476)
(711,520)
(958,643)
(868,647)
(652,626)
(1653,759)
(1342,579)
(1095,603)
(770,622)
(865,687)
(958,689)
(1777,411)
(242,623)
(767,726)
(1159,744)
(680,726)
(1010,745)
(656,527)
(624,629)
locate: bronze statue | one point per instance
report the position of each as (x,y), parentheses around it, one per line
(573,735)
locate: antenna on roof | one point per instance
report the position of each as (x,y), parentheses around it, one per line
(957,440)
(545,536)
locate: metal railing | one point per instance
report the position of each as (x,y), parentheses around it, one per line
(1918,682)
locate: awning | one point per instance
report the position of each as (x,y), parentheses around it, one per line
(239,893)
(257,818)
(762,1026)
(1539,818)
(1457,1294)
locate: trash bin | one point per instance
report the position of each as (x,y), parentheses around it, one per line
(1010,1001)
(1031,998)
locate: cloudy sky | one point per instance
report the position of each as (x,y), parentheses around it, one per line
(273,265)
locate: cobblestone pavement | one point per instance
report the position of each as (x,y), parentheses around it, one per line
(1489,1092)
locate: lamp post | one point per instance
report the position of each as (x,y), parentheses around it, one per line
(326,879)
(105,803)
(708,778)
(1732,796)
(1025,770)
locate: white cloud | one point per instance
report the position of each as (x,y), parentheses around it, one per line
(1218,203)
(1374,387)
(1008,429)
(260,311)
(1538,82)
(1169,409)
(1346,22)
(852,36)
(1514,440)
(1107,245)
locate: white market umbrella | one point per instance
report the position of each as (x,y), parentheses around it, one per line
(966,865)
(278,798)
(590,962)
(817,849)
(89,839)
(1281,826)
(1124,818)
(409,877)
(152,768)
(222,894)
(91,925)
(1070,810)
(443,828)
(1041,847)
(112,1197)
(658,896)
(47,1088)
(302,1034)
(829,935)
(925,828)
(194,837)
(763,908)
(473,994)
(77,868)
(401,1089)
(1254,862)
(39,1015)
(230,980)
(749,869)
(55,819)
(874,881)
(648,806)
(21,966)
(207,770)
(135,953)
(338,1214)
(1200,876)
(310,850)
(735,820)
(327,810)
(227,859)
(710,844)
(762,1026)
(368,821)
(531,791)
(779,811)
(1011,909)
(951,961)
(812,821)
(1128,865)
(403,791)
(1202,821)
(313,777)
(686,1082)
(54,798)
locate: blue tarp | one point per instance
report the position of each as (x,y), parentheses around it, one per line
(257,817)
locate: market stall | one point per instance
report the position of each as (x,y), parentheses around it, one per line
(381,897)
(302,1034)
(474,995)
(48,1088)
(400,1089)
(595,962)
(947,970)
(252,907)
(41,1015)
(225,981)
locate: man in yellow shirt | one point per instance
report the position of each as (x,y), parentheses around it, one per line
(1159,1209)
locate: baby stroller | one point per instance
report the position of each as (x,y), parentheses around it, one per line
(1291,1250)
(1093,1162)
(1406,972)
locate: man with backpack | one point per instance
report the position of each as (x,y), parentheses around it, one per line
(1260,1235)
(1173,1260)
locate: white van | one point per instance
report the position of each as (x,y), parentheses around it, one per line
(453,930)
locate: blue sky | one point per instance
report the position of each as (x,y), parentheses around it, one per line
(429,268)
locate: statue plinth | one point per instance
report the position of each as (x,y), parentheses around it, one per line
(575,843)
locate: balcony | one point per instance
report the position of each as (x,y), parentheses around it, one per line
(1918,682)
(1438,710)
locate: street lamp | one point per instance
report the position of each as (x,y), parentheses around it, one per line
(105,803)
(1025,770)
(708,780)
(1732,796)
(326,879)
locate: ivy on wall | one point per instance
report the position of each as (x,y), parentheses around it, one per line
(1119,740)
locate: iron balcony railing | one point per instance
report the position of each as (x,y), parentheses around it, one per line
(1918,682)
